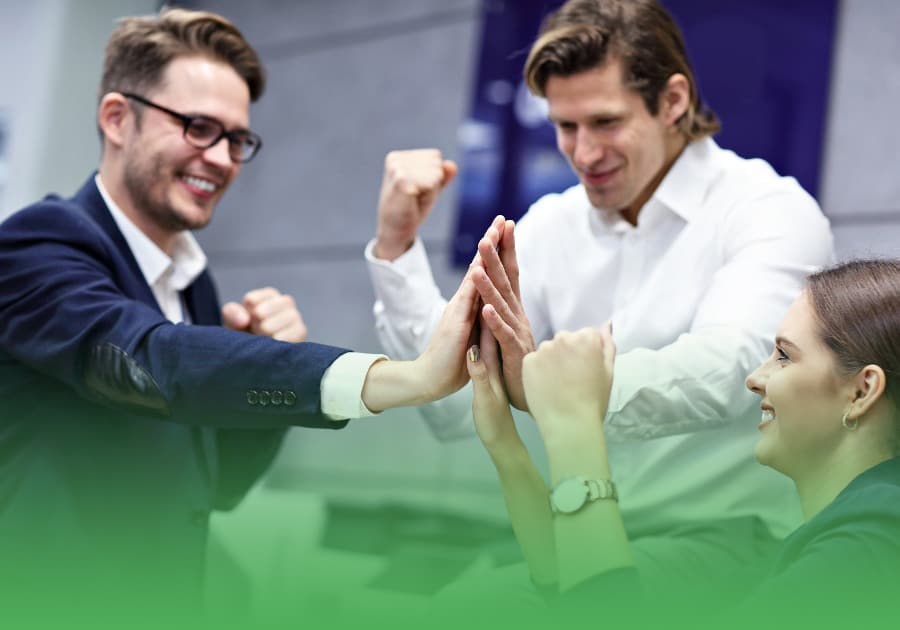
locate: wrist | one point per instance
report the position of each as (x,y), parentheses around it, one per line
(574,453)
(566,422)
(392,384)
(506,451)
(390,246)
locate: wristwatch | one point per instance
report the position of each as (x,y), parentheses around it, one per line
(570,495)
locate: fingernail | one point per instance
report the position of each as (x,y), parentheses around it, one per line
(474,354)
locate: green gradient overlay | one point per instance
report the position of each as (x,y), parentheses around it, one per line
(337,583)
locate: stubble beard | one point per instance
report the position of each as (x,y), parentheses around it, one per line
(140,180)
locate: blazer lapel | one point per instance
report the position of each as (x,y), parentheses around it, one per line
(89,198)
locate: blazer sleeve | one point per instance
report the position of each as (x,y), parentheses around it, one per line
(69,308)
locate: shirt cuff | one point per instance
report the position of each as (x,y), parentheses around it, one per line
(342,386)
(405,286)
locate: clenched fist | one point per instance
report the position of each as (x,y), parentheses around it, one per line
(266,312)
(411,185)
(568,380)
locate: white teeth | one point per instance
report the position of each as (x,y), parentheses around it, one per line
(202,184)
(767,416)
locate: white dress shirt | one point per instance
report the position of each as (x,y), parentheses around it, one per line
(695,292)
(168,276)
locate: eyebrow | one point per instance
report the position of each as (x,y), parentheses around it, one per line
(610,114)
(781,341)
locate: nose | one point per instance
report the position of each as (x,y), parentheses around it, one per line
(756,381)
(588,151)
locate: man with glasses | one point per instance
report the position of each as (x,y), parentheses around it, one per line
(129,412)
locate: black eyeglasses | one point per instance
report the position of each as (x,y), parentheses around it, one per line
(202,132)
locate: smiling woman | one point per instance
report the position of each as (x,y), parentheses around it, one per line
(830,388)
(830,421)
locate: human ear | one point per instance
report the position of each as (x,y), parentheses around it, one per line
(111,116)
(676,98)
(869,383)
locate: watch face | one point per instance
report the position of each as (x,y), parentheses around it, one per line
(570,495)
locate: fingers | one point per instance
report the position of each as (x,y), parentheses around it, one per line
(492,297)
(508,256)
(478,373)
(501,331)
(587,345)
(235,316)
(609,346)
(450,171)
(274,314)
(417,171)
(465,298)
(494,267)
(494,238)
(490,350)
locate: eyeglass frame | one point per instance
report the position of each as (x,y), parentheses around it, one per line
(187,120)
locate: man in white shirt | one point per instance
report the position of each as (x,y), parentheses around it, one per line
(692,252)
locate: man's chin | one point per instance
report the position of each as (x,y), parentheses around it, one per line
(603,202)
(179,221)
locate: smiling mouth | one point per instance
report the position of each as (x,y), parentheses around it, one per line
(767,417)
(600,178)
(202,186)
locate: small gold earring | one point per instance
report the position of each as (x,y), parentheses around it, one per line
(849,423)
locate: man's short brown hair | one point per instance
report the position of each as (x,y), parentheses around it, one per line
(140,49)
(585,34)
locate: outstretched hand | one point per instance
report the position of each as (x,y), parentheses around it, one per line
(497,282)
(443,362)
(490,405)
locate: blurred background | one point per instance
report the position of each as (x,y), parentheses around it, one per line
(810,85)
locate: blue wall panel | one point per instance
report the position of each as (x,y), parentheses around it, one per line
(763,66)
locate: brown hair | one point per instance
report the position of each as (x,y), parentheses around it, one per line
(857,308)
(584,34)
(140,48)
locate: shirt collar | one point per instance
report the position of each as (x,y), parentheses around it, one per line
(184,266)
(682,191)
(684,188)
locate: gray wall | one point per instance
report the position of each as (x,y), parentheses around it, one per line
(52,51)
(349,81)
(861,169)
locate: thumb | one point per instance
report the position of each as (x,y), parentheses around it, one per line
(450,170)
(235,316)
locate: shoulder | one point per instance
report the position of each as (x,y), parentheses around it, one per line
(859,526)
(752,182)
(52,218)
(751,203)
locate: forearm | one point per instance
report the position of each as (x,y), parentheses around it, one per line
(593,539)
(408,303)
(527,502)
(693,384)
(392,384)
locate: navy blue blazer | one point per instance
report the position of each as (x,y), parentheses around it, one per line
(120,431)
